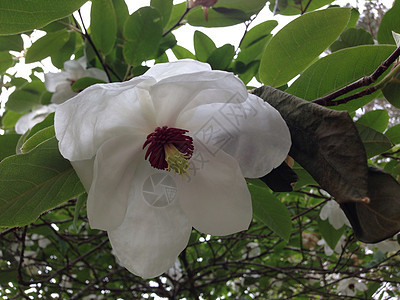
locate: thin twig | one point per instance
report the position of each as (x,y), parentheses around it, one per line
(89,39)
(365,81)
(177,23)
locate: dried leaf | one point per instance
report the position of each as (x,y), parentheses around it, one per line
(325,142)
(380,219)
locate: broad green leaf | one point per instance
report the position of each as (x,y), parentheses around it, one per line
(121,13)
(58,58)
(330,73)
(355,14)
(57,25)
(47,122)
(84,82)
(304,177)
(203,46)
(46,45)
(272,212)
(11,42)
(390,22)
(393,167)
(258,32)
(299,43)
(25,98)
(142,30)
(329,233)
(374,142)
(166,43)
(41,180)
(393,134)
(6,61)
(293,7)
(163,58)
(392,92)
(250,71)
(20,15)
(221,57)
(376,119)
(8,144)
(225,13)
(9,119)
(254,51)
(164,7)
(181,52)
(38,138)
(352,37)
(103,25)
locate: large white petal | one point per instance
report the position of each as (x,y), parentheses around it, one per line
(180,67)
(215,196)
(253,132)
(34,117)
(150,239)
(114,168)
(174,95)
(52,80)
(101,112)
(84,169)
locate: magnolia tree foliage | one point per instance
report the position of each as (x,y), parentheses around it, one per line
(324,221)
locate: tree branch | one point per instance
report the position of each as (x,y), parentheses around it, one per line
(365,81)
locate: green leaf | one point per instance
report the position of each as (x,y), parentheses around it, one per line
(352,37)
(103,25)
(41,180)
(25,98)
(11,42)
(203,46)
(57,25)
(47,122)
(376,119)
(221,57)
(9,119)
(391,91)
(355,14)
(224,13)
(330,73)
(78,206)
(258,32)
(6,61)
(293,7)
(142,30)
(304,177)
(272,212)
(38,138)
(329,233)
(84,82)
(164,7)
(181,52)
(393,134)
(390,22)
(374,142)
(58,58)
(393,167)
(46,45)
(19,15)
(8,144)
(299,43)
(121,13)
(254,51)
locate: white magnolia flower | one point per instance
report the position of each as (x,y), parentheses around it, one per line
(60,83)
(350,287)
(34,117)
(385,246)
(338,248)
(252,250)
(332,211)
(166,151)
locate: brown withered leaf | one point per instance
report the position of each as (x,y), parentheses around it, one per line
(380,219)
(325,142)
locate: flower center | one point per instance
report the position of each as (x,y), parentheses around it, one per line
(169,148)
